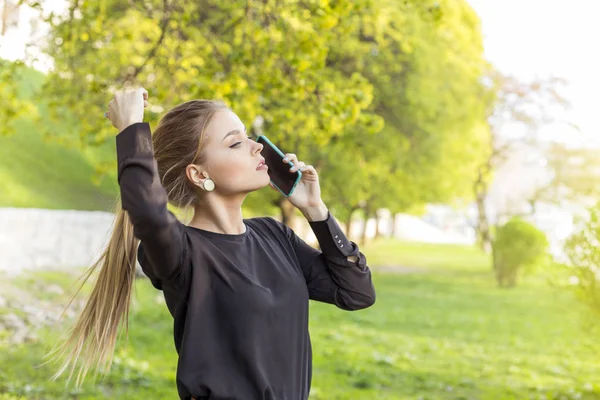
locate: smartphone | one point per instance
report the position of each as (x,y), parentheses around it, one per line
(279,172)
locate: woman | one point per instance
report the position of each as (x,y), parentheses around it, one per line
(238,289)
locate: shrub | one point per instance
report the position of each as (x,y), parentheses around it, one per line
(583,251)
(518,245)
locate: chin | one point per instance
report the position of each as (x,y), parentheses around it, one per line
(260,185)
(266,180)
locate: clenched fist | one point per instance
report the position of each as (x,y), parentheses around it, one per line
(127,108)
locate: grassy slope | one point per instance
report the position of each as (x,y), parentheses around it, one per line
(45,174)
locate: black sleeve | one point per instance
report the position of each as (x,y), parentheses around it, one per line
(330,276)
(162,242)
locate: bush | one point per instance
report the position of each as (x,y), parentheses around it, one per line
(583,251)
(518,245)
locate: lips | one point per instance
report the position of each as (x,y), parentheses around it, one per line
(261,165)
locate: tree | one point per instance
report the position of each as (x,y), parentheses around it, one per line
(425,61)
(268,59)
(9,16)
(320,75)
(574,173)
(510,101)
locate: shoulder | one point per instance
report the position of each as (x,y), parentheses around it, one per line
(270,227)
(265,223)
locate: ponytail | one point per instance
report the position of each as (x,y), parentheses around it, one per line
(93,337)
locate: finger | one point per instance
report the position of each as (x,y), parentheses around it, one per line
(290,157)
(309,169)
(144,93)
(297,166)
(145,104)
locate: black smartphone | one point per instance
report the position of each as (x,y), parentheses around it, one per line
(279,172)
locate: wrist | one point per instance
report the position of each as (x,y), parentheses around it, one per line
(128,124)
(316,213)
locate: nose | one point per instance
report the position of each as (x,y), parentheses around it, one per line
(257,147)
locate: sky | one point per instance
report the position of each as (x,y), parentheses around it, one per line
(536,38)
(540,39)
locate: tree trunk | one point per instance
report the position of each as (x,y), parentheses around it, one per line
(483,227)
(498,267)
(393,230)
(287,211)
(4,17)
(363,238)
(533,207)
(349,221)
(377,231)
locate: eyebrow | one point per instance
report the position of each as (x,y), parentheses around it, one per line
(233,132)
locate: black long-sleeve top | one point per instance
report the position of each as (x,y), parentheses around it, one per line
(239,302)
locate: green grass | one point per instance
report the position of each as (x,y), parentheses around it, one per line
(445,333)
(42,173)
(427,256)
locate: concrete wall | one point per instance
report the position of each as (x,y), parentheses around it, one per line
(35,239)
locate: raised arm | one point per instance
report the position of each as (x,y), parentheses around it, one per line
(162,244)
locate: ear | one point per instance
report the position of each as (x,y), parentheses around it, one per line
(195,174)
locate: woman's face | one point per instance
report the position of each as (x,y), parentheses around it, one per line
(231,159)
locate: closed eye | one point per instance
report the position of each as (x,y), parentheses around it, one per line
(237,144)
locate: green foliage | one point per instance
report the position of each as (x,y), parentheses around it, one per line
(425,63)
(267,60)
(518,244)
(14,97)
(583,250)
(391,89)
(575,173)
(442,334)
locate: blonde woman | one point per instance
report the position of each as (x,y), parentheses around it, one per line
(238,289)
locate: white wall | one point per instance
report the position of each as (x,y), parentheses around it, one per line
(35,238)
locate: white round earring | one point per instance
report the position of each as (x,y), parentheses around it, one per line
(208,185)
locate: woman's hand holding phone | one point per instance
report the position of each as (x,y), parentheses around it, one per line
(307,194)
(296,180)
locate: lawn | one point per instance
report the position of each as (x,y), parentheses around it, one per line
(443,331)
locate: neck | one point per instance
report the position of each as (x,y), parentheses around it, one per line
(219,215)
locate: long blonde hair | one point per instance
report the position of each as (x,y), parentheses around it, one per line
(179,140)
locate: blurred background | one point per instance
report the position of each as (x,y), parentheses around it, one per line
(456,142)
